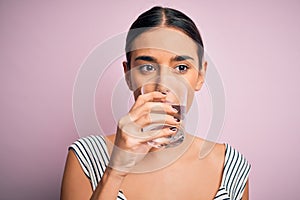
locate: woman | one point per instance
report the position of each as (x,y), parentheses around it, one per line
(161,41)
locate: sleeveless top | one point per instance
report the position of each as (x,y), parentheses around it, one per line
(92,153)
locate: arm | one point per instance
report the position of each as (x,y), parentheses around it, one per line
(109,186)
(246,192)
(76,185)
(130,147)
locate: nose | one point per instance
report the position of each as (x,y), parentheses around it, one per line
(162,88)
(163,80)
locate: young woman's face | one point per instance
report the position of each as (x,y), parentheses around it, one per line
(164,52)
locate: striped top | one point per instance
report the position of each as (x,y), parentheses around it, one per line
(93,157)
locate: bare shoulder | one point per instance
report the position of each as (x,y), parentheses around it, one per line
(111,138)
(74,180)
(210,150)
(219,151)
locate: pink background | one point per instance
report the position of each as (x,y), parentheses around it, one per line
(255,46)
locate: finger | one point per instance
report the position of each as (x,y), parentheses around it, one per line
(151,96)
(152,107)
(159,142)
(164,132)
(158,118)
(162,140)
(134,130)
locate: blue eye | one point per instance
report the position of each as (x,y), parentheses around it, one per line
(147,68)
(181,68)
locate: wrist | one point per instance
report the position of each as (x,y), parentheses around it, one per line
(116,173)
(109,186)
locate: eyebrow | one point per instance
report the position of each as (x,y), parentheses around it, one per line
(182,58)
(152,59)
(146,58)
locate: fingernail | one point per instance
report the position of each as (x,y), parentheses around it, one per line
(176,119)
(173,129)
(176,108)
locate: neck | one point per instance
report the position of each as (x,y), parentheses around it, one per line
(159,158)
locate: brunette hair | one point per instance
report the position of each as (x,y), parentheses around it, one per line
(164,17)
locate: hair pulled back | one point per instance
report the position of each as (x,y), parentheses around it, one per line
(164,17)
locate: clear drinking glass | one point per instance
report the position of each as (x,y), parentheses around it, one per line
(177,93)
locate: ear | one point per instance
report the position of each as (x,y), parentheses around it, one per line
(127,74)
(201,76)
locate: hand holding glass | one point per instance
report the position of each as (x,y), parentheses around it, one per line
(176,96)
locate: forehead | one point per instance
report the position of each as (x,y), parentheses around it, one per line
(166,39)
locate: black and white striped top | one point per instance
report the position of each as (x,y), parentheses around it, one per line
(93,156)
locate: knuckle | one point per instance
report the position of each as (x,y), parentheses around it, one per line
(147,119)
(140,98)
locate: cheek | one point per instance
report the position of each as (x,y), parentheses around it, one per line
(138,79)
(189,100)
(135,79)
(191,80)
